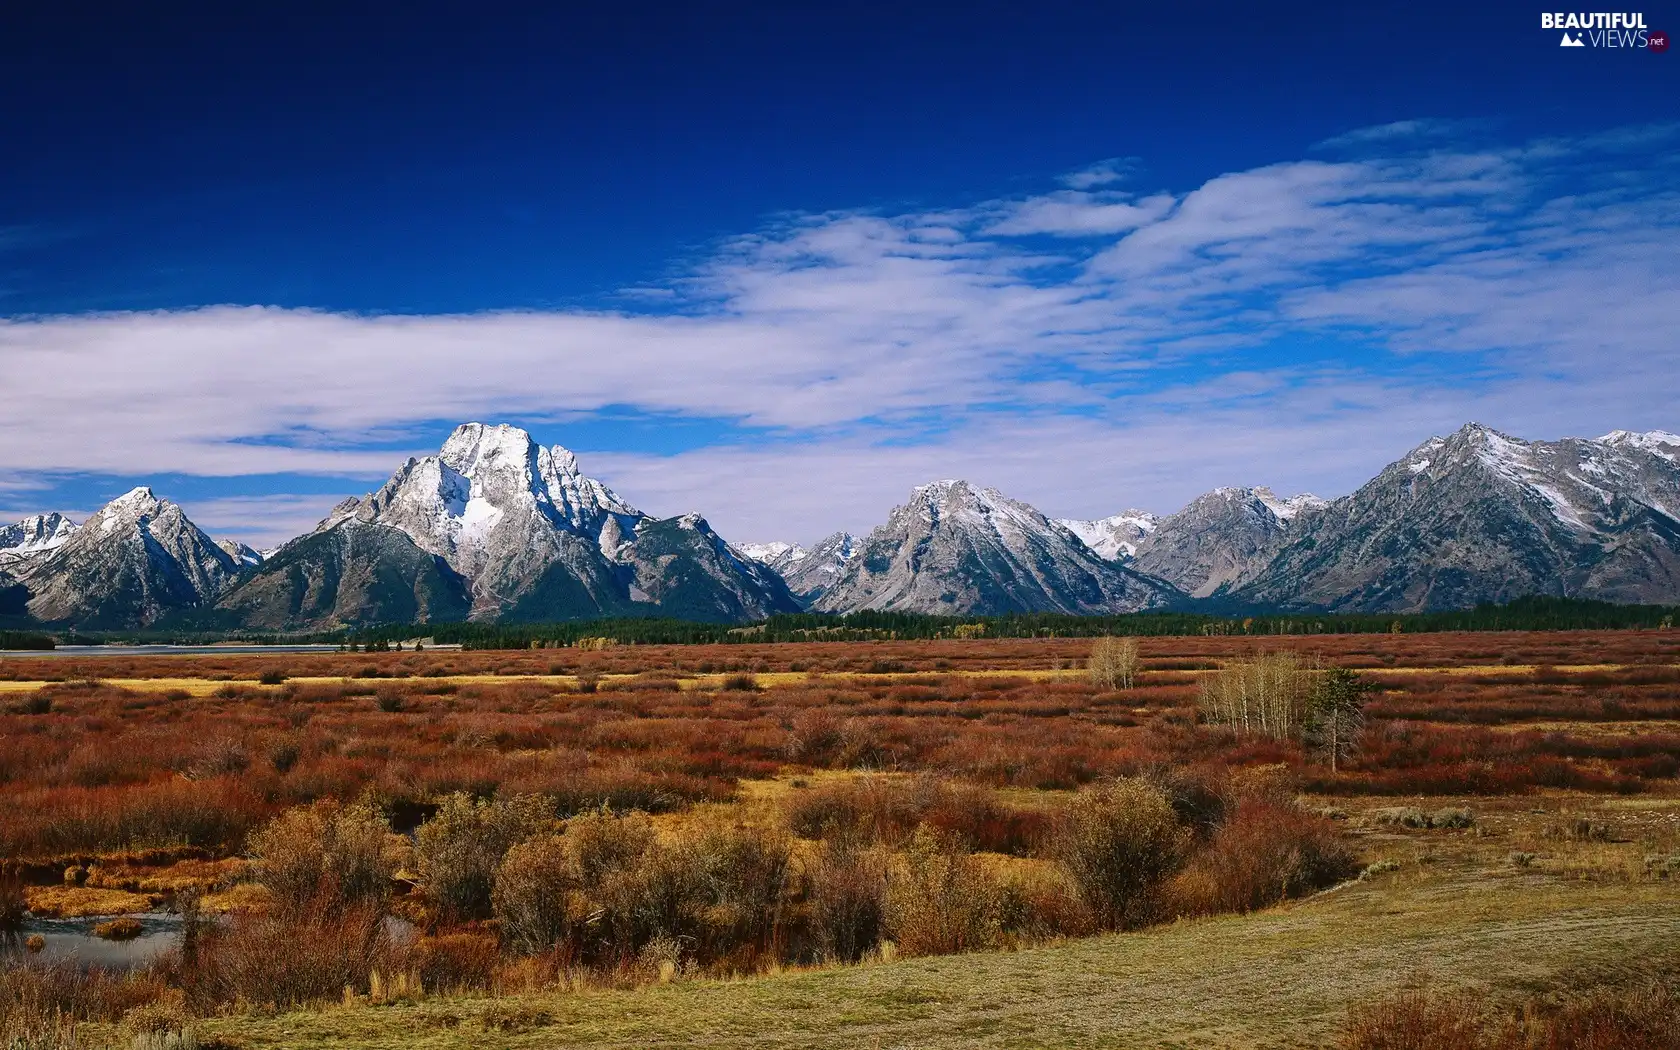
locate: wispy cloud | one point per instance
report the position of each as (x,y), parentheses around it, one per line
(1298,324)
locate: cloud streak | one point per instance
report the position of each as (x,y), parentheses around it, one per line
(1087,347)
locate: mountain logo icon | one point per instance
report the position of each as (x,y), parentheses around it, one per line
(1571,41)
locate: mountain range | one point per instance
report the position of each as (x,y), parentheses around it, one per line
(495,527)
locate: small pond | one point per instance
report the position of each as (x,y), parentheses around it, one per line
(73,940)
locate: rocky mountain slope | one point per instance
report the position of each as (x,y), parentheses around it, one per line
(1480,516)
(512,531)
(134,561)
(808,573)
(958,550)
(33,538)
(1219,539)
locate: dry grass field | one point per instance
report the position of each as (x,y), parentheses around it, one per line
(839,844)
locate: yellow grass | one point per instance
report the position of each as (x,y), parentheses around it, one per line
(71,902)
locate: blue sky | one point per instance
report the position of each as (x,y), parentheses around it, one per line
(778,265)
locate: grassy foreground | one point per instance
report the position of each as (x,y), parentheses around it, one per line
(1279,978)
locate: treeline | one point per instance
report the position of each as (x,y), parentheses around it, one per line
(25,640)
(1524,614)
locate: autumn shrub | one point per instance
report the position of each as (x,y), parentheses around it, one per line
(456,962)
(460,848)
(39,993)
(890,808)
(1120,841)
(1414,1021)
(742,873)
(940,900)
(1265,852)
(846,899)
(12,903)
(536,897)
(1639,1016)
(214,814)
(325,855)
(279,959)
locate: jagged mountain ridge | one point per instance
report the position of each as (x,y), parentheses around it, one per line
(1480,516)
(955,549)
(517,532)
(494,527)
(134,561)
(776,554)
(1220,538)
(33,537)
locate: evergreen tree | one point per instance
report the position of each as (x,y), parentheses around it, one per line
(1336,713)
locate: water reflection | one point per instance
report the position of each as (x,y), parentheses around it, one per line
(72,940)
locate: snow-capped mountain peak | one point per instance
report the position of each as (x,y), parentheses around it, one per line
(1287,509)
(132,506)
(521,530)
(1657,442)
(242,554)
(776,553)
(1115,537)
(35,535)
(135,559)
(952,548)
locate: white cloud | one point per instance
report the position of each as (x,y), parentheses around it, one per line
(1070,213)
(1297,324)
(1102,173)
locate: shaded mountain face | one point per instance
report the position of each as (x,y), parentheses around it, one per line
(354,573)
(1482,517)
(1114,538)
(527,536)
(136,560)
(956,550)
(1220,539)
(685,568)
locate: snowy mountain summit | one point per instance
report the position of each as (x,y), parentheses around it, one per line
(32,537)
(953,548)
(495,526)
(137,558)
(1480,516)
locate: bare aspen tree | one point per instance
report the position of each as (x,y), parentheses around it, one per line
(1267,695)
(1114,662)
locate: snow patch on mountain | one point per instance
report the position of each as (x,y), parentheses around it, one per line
(34,537)
(1657,442)
(244,556)
(1116,537)
(777,554)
